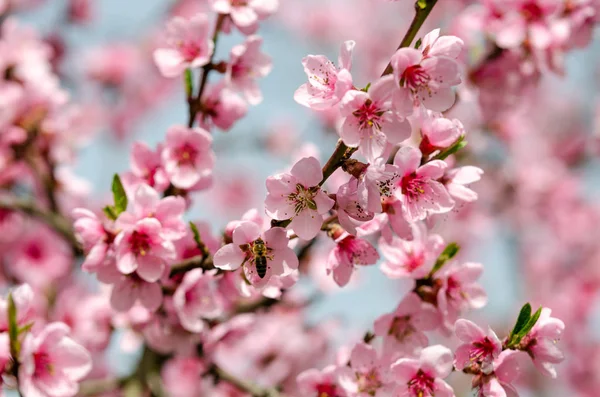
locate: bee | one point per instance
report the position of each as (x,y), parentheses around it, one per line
(259,250)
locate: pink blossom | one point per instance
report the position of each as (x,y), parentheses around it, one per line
(187,157)
(146,168)
(188,45)
(245,14)
(129,289)
(369,121)
(402,330)
(181,376)
(52,363)
(349,252)
(298,196)
(197,298)
(147,204)
(423,377)
(533,21)
(478,347)
(377,183)
(246,64)
(143,249)
(419,190)
(327,83)
(367,375)
(350,212)
(411,258)
(438,132)
(313,382)
(426,75)
(250,245)
(88,315)
(540,343)
(460,291)
(40,257)
(506,369)
(221,107)
(113,64)
(458,179)
(93,236)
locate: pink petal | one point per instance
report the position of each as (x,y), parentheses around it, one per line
(150,296)
(324,202)
(127,263)
(345,58)
(468,331)
(308,171)
(407,159)
(307,224)
(437,361)
(404,370)
(246,232)
(169,62)
(229,257)
(150,268)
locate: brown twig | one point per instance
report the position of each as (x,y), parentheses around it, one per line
(57,222)
(195,103)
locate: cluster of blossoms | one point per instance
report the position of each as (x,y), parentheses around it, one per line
(216,314)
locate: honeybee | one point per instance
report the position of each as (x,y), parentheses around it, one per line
(260,250)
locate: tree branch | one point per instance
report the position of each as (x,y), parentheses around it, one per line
(422,10)
(57,222)
(195,103)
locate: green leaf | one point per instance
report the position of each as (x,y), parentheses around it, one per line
(189,85)
(25,328)
(109,211)
(448,253)
(422,4)
(196,235)
(119,195)
(522,320)
(13,330)
(456,146)
(366,87)
(418,43)
(197,239)
(530,324)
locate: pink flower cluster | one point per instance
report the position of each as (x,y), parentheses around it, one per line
(226,315)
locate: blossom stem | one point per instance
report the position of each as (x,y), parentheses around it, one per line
(58,223)
(195,103)
(422,10)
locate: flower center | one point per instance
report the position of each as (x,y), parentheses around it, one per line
(414,77)
(34,251)
(186,154)
(139,243)
(421,385)
(189,50)
(326,390)
(401,328)
(43,365)
(303,198)
(368,382)
(531,11)
(388,185)
(414,260)
(482,349)
(368,115)
(412,186)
